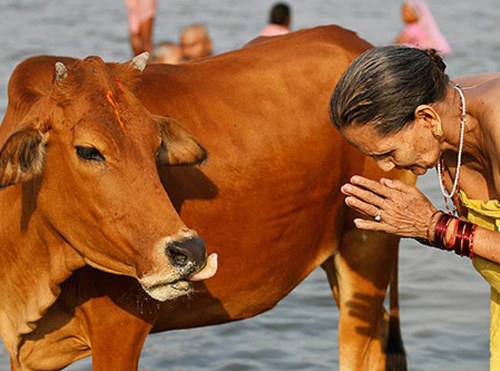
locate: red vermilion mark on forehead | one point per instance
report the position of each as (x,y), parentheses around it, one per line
(111,99)
(120,84)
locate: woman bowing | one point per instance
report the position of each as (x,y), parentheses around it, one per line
(397,105)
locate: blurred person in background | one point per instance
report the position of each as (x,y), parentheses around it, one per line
(279,20)
(420,29)
(195,42)
(141,14)
(167,52)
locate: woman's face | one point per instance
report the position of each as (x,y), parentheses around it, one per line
(412,148)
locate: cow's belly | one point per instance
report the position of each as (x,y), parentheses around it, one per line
(269,237)
(268,202)
(240,293)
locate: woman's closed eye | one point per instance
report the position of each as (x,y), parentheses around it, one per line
(381,156)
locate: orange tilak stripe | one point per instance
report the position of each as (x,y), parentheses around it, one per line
(111,100)
(120,84)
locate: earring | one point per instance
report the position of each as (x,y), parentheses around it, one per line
(437,131)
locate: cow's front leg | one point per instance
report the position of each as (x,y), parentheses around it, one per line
(116,337)
(359,274)
(118,322)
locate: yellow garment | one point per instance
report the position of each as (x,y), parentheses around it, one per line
(487,215)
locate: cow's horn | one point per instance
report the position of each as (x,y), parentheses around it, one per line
(140,60)
(61,72)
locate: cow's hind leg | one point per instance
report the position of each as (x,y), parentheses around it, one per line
(396,356)
(359,274)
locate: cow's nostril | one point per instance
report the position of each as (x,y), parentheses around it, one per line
(188,253)
(177,255)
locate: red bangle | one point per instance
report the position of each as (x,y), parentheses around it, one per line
(461,239)
(471,241)
(464,240)
(440,231)
(449,245)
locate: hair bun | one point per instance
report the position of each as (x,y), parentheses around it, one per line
(436,59)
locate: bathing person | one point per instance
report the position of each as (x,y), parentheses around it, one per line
(195,42)
(167,52)
(141,14)
(280,18)
(420,28)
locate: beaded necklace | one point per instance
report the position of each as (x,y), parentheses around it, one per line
(453,195)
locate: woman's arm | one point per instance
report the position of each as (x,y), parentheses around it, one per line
(487,244)
(406,212)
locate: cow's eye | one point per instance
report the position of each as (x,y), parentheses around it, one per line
(89,153)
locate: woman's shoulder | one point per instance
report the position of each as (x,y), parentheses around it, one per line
(470,81)
(482,93)
(486,95)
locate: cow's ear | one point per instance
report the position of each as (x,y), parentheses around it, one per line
(21,157)
(178,146)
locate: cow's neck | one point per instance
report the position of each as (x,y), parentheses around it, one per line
(34,261)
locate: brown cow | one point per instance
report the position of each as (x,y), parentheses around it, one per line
(267,201)
(76,154)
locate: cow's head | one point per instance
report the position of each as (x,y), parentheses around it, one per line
(88,153)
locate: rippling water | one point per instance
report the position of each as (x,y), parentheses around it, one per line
(444,303)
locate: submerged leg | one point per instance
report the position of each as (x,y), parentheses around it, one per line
(359,274)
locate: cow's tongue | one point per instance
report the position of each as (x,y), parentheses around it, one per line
(208,271)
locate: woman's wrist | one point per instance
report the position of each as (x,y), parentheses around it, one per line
(431,228)
(449,233)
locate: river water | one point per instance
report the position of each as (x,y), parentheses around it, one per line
(444,302)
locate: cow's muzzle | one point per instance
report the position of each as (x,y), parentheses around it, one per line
(189,262)
(188,256)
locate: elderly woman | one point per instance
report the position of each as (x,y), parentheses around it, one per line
(397,105)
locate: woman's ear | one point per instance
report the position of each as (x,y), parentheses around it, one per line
(428,116)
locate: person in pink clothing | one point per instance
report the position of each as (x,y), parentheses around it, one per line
(279,21)
(420,30)
(141,14)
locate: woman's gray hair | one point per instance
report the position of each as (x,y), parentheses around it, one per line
(385,85)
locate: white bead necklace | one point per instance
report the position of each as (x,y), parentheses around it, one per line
(463,121)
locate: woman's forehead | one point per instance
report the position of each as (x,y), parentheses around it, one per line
(367,139)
